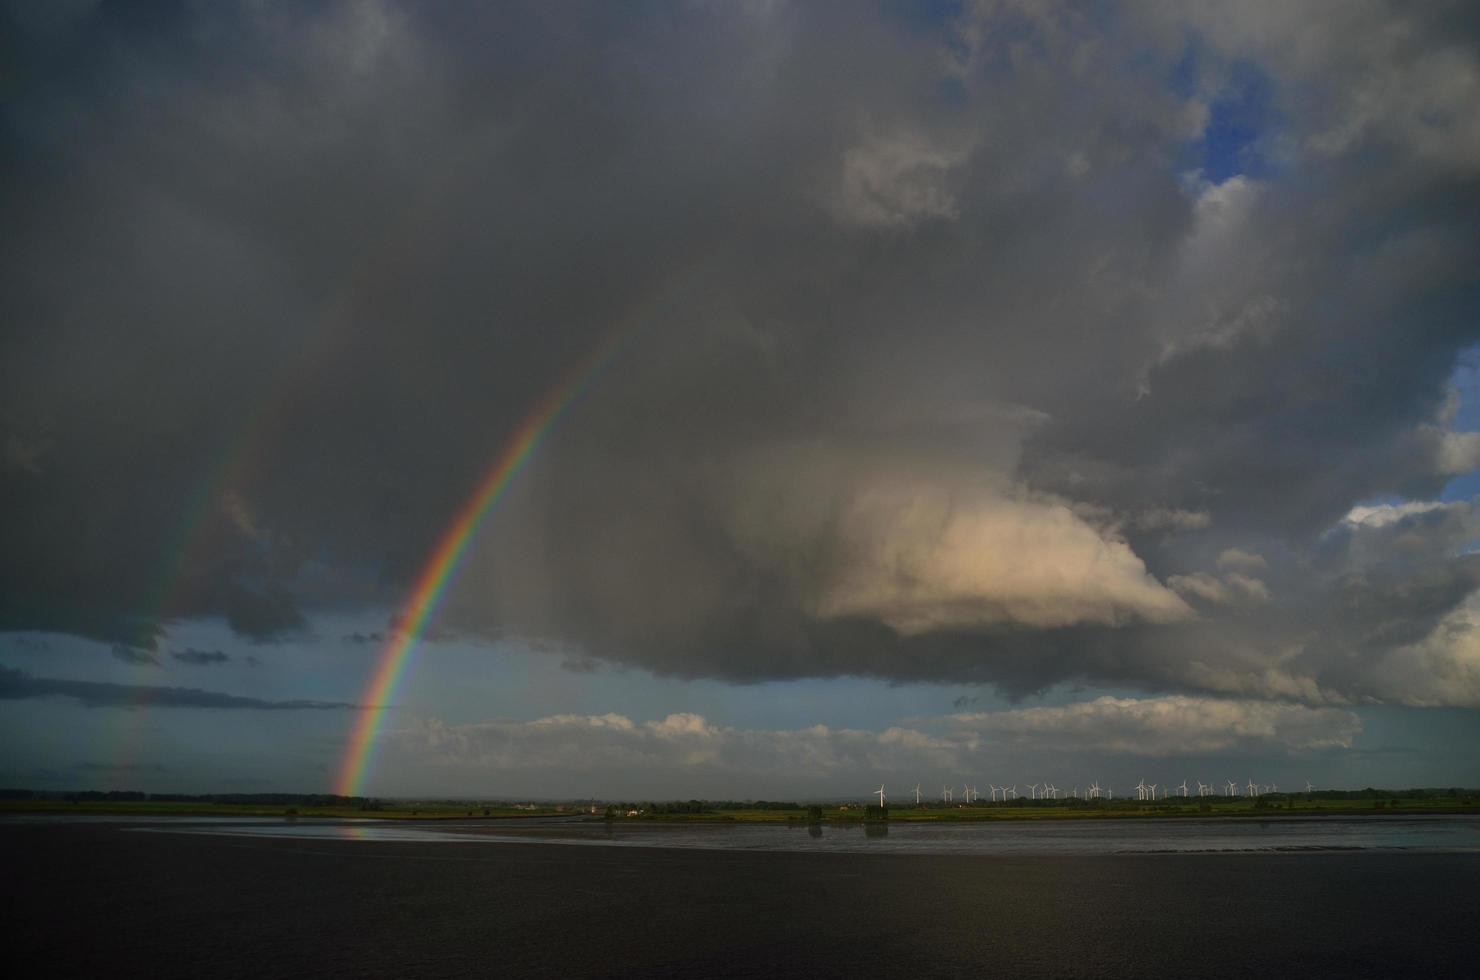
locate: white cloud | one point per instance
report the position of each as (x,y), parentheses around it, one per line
(1241,560)
(1459,452)
(1174,725)
(1443,669)
(1382,515)
(688,746)
(927,557)
(1202,585)
(1232,587)
(680,742)
(1249,588)
(897,181)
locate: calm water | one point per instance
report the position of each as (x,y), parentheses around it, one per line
(225,898)
(1122,836)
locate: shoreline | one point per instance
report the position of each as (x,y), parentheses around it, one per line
(731,818)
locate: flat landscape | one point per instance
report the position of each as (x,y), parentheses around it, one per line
(107,899)
(1374,806)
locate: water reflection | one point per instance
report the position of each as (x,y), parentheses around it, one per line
(1437,833)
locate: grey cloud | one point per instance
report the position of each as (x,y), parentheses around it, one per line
(200,658)
(931,368)
(17,685)
(119,767)
(133,655)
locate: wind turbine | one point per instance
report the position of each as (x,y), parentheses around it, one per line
(1153,792)
(1141,790)
(1231,789)
(1013,791)
(1033,789)
(880,794)
(1308,787)
(1184,789)
(917,794)
(1253,788)
(945,794)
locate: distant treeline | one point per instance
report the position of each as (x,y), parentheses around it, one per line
(707,806)
(133,796)
(668,806)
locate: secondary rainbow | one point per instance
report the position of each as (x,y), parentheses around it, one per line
(431,584)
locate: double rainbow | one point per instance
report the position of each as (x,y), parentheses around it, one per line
(431,584)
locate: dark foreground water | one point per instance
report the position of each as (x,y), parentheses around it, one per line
(105,899)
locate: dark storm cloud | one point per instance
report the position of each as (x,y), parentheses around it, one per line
(16,685)
(200,658)
(118,767)
(944,357)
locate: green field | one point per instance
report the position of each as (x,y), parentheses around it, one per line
(1191,808)
(392,811)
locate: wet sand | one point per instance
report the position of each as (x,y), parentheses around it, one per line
(101,900)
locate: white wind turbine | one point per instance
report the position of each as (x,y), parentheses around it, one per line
(1308,787)
(1153,792)
(1033,789)
(917,794)
(1013,791)
(1202,788)
(945,794)
(1253,788)
(880,794)
(1141,790)
(1231,789)
(1183,787)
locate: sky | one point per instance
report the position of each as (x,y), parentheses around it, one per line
(939,393)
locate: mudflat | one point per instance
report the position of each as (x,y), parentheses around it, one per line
(107,900)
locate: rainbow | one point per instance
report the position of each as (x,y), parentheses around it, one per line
(431,583)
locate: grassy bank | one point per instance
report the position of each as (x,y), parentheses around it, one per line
(391,811)
(1191,808)
(909,813)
